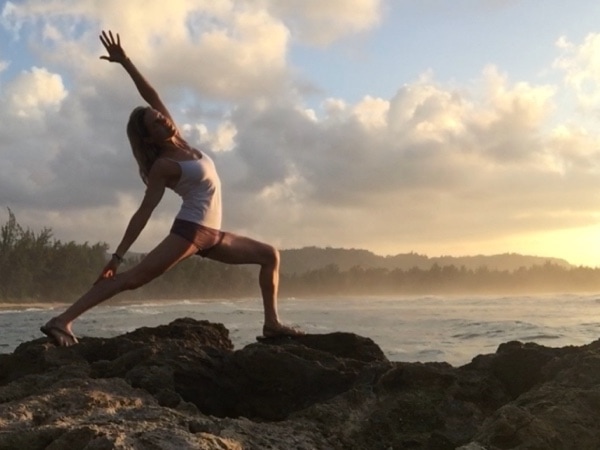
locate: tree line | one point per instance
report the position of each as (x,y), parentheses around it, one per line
(444,280)
(35,267)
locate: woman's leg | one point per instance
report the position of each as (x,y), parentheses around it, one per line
(164,256)
(234,249)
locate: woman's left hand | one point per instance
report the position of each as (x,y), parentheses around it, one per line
(109,271)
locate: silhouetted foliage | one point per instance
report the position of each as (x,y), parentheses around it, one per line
(442,280)
(35,267)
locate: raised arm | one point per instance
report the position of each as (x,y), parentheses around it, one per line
(116,54)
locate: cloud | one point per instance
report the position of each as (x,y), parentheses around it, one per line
(322,23)
(230,51)
(431,164)
(581,67)
(34,93)
(435,164)
(8,18)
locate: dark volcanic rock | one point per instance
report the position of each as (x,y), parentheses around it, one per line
(184,386)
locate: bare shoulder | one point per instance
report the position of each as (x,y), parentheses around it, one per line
(164,164)
(165,169)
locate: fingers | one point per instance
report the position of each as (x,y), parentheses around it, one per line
(106,274)
(105,41)
(112,44)
(109,40)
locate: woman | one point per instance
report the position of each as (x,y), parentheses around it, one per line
(166,160)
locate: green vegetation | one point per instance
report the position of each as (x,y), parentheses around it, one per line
(443,280)
(36,268)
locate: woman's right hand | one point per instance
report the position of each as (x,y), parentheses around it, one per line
(113,47)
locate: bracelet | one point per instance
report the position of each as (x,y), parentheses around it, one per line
(118,258)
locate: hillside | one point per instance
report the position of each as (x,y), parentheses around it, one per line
(314,258)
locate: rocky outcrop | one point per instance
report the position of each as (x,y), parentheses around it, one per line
(184,386)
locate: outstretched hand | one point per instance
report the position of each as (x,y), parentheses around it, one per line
(113,47)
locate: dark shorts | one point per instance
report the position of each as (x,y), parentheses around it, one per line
(204,238)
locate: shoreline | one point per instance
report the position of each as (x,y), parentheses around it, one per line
(23,306)
(26,306)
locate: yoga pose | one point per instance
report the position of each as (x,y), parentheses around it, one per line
(166,160)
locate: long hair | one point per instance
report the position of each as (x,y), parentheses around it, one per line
(144,152)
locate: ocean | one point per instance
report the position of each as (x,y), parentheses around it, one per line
(453,329)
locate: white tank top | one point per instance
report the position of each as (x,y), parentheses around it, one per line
(200,189)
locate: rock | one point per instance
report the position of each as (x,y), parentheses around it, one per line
(560,412)
(184,386)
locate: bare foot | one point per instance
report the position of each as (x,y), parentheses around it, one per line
(61,336)
(278,330)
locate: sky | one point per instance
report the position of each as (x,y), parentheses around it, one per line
(442,128)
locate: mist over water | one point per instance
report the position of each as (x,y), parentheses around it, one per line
(428,328)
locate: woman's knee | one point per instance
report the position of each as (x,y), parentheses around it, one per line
(271,256)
